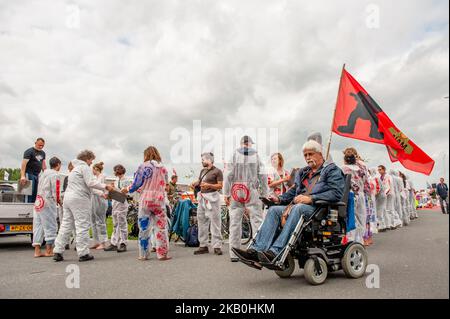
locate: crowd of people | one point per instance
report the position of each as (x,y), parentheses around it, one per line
(382,200)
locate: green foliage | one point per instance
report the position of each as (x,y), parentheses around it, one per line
(14,173)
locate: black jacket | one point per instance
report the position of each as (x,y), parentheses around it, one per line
(442,190)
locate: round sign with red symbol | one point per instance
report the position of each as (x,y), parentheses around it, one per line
(39,203)
(240,193)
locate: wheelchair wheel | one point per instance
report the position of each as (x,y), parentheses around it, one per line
(290,267)
(311,274)
(355,261)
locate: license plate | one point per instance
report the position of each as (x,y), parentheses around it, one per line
(19,228)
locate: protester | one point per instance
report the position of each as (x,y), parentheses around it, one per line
(119,237)
(399,190)
(413,202)
(151,179)
(77,207)
(404,199)
(98,216)
(32,164)
(396,191)
(61,207)
(45,209)
(172,193)
(375,187)
(208,210)
(361,189)
(278,177)
(442,193)
(245,181)
(320,180)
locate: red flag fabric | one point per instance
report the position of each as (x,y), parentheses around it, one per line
(358,116)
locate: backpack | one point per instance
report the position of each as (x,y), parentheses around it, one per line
(192,236)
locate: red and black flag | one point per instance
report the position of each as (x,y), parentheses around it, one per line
(358,116)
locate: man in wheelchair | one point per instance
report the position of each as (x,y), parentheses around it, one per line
(318,182)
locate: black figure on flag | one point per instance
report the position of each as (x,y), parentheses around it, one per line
(366,109)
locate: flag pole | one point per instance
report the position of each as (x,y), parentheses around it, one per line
(334,114)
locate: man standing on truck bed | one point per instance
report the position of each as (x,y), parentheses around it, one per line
(32,164)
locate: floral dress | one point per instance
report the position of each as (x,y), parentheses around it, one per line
(361,188)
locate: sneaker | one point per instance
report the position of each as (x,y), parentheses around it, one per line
(234,259)
(218,251)
(201,250)
(110,248)
(58,257)
(122,248)
(85,258)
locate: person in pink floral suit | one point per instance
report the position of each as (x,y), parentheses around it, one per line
(151,180)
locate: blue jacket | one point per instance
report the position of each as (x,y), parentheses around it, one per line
(180,222)
(329,187)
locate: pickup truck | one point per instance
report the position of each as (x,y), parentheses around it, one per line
(16,216)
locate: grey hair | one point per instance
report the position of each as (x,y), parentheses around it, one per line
(373,171)
(208,156)
(86,155)
(312,146)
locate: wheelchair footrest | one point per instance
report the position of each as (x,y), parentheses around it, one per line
(271,266)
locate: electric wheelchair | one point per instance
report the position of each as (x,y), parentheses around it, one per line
(319,244)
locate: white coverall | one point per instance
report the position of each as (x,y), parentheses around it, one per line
(393,219)
(405,202)
(98,216)
(381,200)
(208,216)
(119,216)
(412,199)
(398,195)
(45,208)
(244,180)
(77,208)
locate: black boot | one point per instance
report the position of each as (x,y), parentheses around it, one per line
(58,257)
(122,248)
(110,248)
(86,258)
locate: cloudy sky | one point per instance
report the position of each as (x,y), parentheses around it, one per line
(117,76)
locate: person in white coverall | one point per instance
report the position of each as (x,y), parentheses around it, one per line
(404,199)
(208,210)
(98,216)
(77,207)
(381,198)
(393,220)
(412,198)
(119,237)
(46,208)
(244,182)
(398,186)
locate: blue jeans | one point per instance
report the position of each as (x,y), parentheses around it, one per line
(34,186)
(265,240)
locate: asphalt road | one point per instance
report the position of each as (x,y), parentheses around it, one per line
(413,263)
